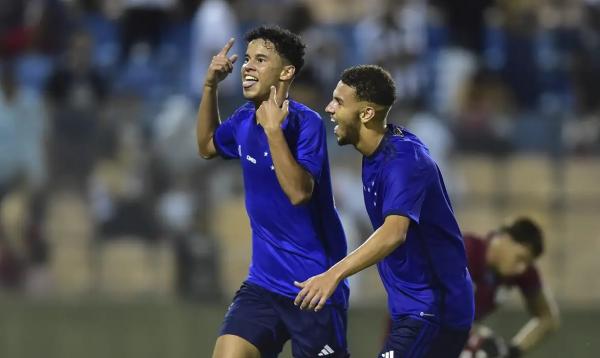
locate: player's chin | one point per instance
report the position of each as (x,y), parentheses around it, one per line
(340,135)
(251,93)
(341,140)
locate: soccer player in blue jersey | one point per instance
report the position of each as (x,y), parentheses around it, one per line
(417,244)
(296,232)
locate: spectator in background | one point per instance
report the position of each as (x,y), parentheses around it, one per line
(583,134)
(520,71)
(9,165)
(50,22)
(22,131)
(483,120)
(22,177)
(143,21)
(324,57)
(75,93)
(465,19)
(529,46)
(434,131)
(13,33)
(587,70)
(396,38)
(206,42)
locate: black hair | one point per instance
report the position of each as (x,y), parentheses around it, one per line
(525,231)
(287,44)
(372,83)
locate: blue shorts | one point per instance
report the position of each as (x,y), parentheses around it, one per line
(268,320)
(412,337)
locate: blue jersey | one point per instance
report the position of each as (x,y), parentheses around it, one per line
(427,275)
(289,243)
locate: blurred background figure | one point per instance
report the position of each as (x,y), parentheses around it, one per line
(143,22)
(113,231)
(206,43)
(504,259)
(75,93)
(395,37)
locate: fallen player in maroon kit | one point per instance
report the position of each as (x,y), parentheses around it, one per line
(505,258)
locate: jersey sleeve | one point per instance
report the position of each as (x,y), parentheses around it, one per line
(404,188)
(530,282)
(312,145)
(225,140)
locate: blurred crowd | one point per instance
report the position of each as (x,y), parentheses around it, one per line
(98,100)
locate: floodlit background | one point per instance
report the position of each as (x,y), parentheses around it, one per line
(117,240)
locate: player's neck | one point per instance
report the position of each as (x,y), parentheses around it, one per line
(370,140)
(282,95)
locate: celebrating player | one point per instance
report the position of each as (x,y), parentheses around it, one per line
(296,232)
(417,244)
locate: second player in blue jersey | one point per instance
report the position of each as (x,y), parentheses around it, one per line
(417,244)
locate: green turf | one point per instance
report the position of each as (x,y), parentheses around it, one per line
(94,329)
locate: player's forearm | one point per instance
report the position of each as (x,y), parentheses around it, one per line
(207,121)
(379,245)
(295,181)
(533,332)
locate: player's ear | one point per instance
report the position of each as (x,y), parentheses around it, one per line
(287,73)
(366,114)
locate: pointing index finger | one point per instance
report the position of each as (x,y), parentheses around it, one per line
(227,47)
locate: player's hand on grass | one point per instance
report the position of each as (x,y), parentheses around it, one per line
(315,291)
(220,66)
(270,114)
(483,342)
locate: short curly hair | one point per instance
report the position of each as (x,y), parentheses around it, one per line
(372,83)
(526,232)
(287,44)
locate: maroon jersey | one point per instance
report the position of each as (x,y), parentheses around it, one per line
(487,282)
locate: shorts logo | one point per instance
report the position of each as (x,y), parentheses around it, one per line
(325,351)
(250,159)
(389,354)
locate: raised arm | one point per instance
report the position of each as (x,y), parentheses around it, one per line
(208,114)
(296,182)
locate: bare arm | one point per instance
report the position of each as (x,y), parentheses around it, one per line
(545,320)
(208,118)
(380,244)
(317,289)
(296,182)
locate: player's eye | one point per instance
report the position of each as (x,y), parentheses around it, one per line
(246,59)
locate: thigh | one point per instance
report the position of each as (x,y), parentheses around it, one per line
(409,338)
(315,334)
(230,346)
(252,317)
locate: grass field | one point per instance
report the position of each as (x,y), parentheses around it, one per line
(99,329)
